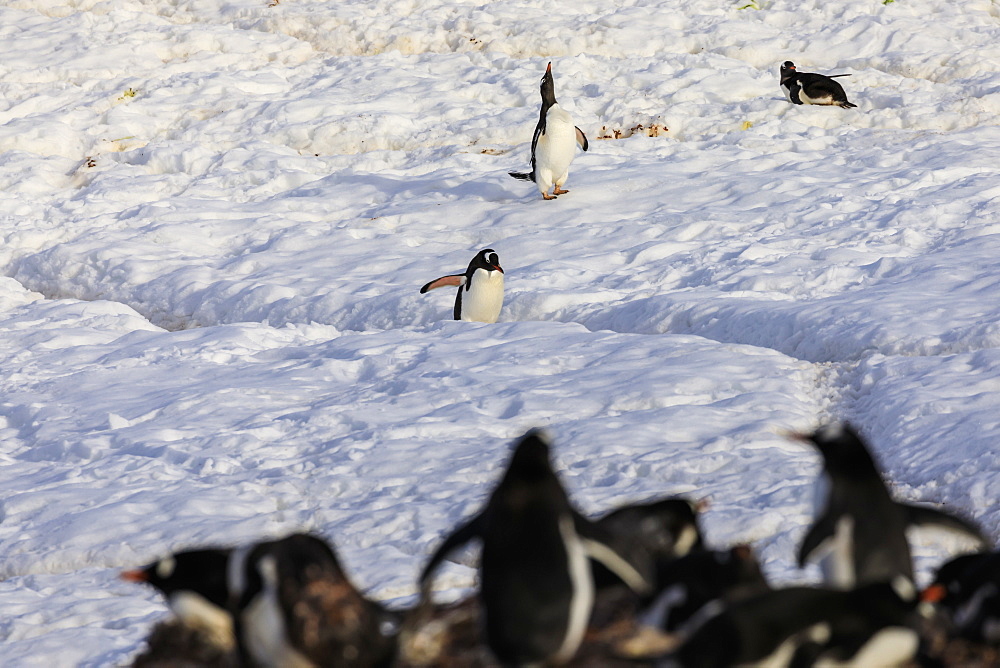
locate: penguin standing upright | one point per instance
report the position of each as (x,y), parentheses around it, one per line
(194,584)
(480,288)
(809,88)
(293,607)
(859,525)
(553,145)
(536,587)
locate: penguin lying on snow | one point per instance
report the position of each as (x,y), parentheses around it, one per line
(194,584)
(482,285)
(860,525)
(687,585)
(968,590)
(803,626)
(294,607)
(536,586)
(553,145)
(809,88)
(649,534)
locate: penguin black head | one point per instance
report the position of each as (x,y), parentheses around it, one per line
(787,70)
(548,88)
(200,571)
(843,450)
(486,259)
(530,461)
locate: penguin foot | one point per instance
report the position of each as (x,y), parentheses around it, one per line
(548,196)
(559,191)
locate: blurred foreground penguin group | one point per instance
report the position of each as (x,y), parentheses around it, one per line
(636,586)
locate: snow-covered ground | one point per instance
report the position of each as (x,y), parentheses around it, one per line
(215,217)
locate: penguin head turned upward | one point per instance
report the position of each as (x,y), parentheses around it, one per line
(548,88)
(844,453)
(487,260)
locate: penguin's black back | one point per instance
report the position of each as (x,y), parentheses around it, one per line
(526,586)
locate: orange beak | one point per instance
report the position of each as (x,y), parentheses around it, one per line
(933,594)
(134,576)
(548,70)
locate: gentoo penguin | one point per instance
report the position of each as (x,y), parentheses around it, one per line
(482,285)
(650,533)
(858,524)
(809,88)
(293,607)
(554,143)
(803,626)
(967,588)
(194,584)
(687,586)
(536,588)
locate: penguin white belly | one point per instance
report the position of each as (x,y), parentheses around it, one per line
(825,98)
(196,611)
(582,601)
(892,646)
(484,298)
(556,148)
(788,92)
(264,625)
(837,564)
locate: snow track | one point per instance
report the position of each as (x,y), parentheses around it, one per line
(214,219)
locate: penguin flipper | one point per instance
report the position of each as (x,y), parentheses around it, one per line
(457,280)
(458,538)
(819,538)
(920,516)
(598,547)
(581,139)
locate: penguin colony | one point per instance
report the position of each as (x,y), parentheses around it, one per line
(636,586)
(553,147)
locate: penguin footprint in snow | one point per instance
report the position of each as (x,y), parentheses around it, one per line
(480,288)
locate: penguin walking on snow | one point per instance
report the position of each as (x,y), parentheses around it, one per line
(480,288)
(809,88)
(553,145)
(194,584)
(536,587)
(859,528)
(293,607)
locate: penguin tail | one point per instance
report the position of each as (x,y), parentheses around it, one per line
(523,176)
(847,105)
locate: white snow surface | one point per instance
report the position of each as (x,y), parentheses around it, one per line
(215,217)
